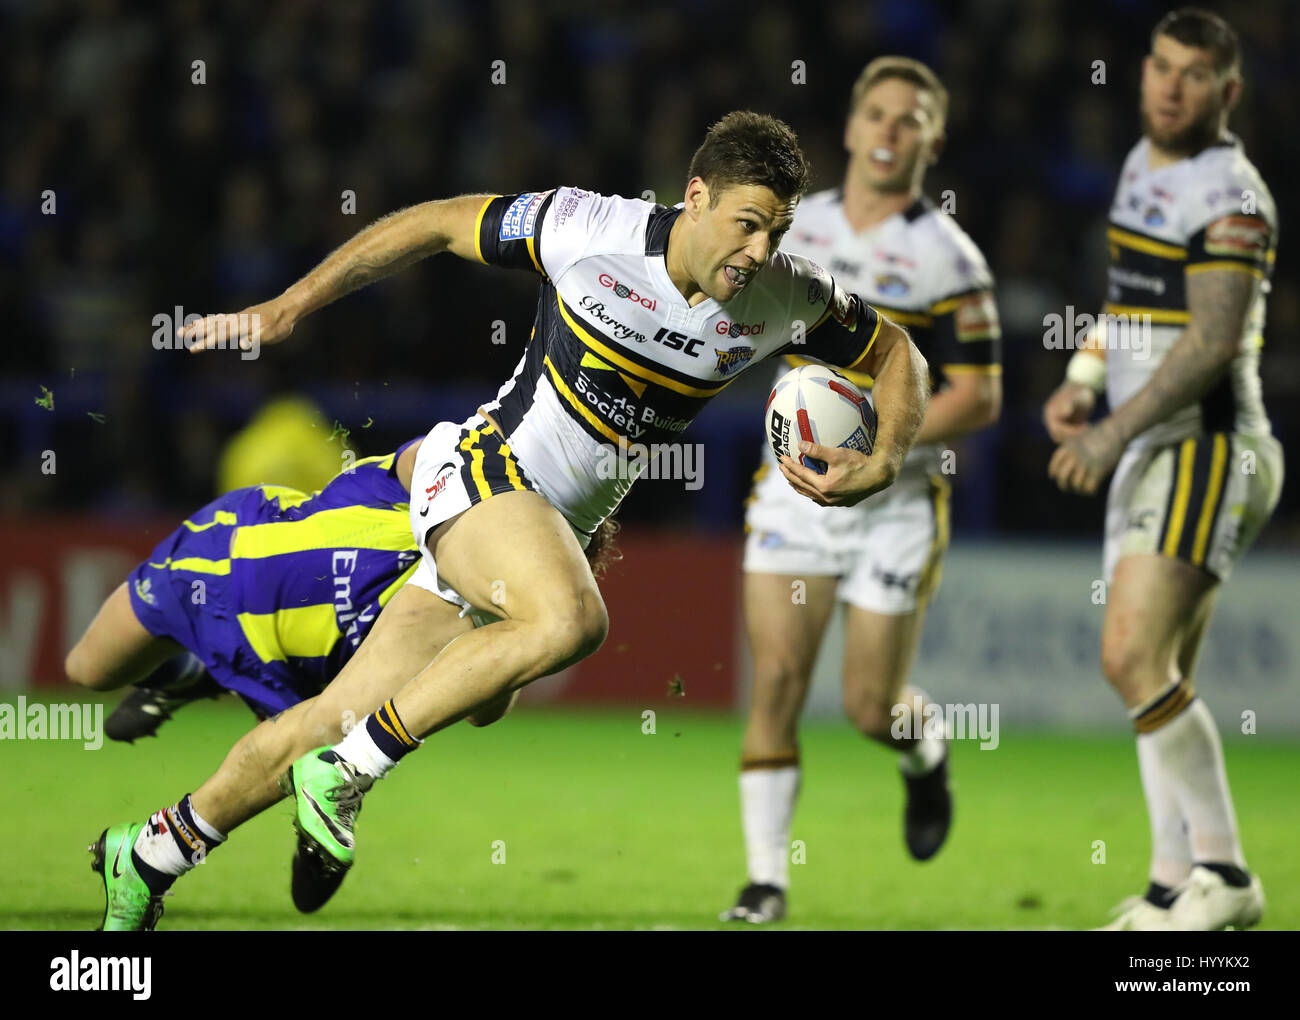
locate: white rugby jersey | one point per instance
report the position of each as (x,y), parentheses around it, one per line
(618,355)
(919,269)
(1211,211)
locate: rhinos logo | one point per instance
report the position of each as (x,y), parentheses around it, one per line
(733,358)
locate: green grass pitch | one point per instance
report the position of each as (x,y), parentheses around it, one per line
(602,826)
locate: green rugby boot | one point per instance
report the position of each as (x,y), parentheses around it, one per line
(328,791)
(128,903)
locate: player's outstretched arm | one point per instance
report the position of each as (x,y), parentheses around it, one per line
(385,247)
(1219,300)
(901,394)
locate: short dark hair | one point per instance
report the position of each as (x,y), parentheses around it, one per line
(751,148)
(1205,30)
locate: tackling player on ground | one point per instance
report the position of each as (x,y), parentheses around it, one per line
(887,243)
(266,592)
(1197,471)
(507,500)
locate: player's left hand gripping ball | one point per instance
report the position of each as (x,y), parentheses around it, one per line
(822,429)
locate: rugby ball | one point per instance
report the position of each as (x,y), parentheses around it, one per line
(817,404)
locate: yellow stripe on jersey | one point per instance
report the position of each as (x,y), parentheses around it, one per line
(1218,460)
(905,318)
(1144,244)
(947,306)
(1240,267)
(195,565)
(973,369)
(859,379)
(221,517)
(631,366)
(478,228)
(824,315)
(1159,316)
(470,445)
(1182,492)
(383,461)
(579,406)
(532,253)
(870,344)
(350,527)
(302,632)
(286,496)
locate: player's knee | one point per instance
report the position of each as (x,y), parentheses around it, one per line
(79,666)
(870,713)
(779,683)
(574,627)
(1128,665)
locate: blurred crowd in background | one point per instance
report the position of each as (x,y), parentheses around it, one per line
(215,196)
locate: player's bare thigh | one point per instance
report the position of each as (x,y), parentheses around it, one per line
(879,650)
(1153,607)
(116,650)
(406,464)
(785,618)
(515,555)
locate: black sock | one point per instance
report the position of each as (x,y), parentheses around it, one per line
(388,734)
(1159,895)
(1236,877)
(157,882)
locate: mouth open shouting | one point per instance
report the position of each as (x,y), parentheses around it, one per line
(737,277)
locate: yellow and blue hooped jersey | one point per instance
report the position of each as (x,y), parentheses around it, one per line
(274,589)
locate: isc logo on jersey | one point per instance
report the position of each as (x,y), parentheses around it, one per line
(816,404)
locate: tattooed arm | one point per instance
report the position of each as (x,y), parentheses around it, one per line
(385,247)
(1219,301)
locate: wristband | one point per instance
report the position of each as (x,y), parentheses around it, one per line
(1087,370)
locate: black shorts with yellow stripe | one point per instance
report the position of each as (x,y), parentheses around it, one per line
(458,466)
(488,467)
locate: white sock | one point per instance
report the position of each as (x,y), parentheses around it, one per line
(928,750)
(358,748)
(767,798)
(923,757)
(1171,848)
(1189,750)
(169,843)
